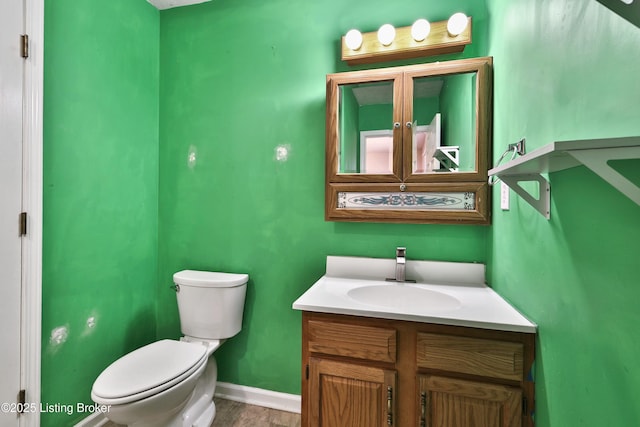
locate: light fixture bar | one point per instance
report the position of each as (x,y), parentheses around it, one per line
(438,42)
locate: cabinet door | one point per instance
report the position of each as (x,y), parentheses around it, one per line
(446,131)
(346,394)
(363,129)
(448,402)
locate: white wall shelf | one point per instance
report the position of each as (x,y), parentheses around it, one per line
(592,153)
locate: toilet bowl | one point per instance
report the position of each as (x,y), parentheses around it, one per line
(171,383)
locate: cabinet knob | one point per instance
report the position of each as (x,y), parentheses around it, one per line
(396,125)
(403,187)
(408,125)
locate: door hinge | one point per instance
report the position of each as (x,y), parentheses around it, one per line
(24,46)
(22,400)
(525,408)
(23,224)
(307,371)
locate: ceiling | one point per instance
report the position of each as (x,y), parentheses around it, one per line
(382,93)
(167,4)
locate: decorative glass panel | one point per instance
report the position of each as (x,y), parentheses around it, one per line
(461,201)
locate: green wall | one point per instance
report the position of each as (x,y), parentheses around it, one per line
(349,116)
(237,80)
(375,117)
(132,94)
(100,192)
(569,70)
(424,110)
(457,102)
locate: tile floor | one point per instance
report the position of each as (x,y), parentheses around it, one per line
(236,414)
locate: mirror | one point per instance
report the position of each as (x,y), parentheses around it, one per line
(403,143)
(366,128)
(443,127)
(443,138)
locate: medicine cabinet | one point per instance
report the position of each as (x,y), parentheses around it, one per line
(409,144)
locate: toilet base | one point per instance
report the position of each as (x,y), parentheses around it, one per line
(201,414)
(200,409)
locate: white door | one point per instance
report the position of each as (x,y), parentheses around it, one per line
(11,93)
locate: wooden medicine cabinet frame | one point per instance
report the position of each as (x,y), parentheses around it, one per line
(402,196)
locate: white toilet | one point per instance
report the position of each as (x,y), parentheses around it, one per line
(170,383)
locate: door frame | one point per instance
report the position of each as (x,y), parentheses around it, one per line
(32,143)
(381,133)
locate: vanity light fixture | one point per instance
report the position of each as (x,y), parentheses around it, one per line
(353,39)
(420,30)
(386,34)
(420,39)
(456,24)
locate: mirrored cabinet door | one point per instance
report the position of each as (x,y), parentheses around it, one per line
(446,134)
(363,125)
(442,137)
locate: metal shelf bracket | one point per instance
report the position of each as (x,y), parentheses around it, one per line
(543,202)
(597,160)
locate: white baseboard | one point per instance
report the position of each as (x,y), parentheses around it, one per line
(238,393)
(260,397)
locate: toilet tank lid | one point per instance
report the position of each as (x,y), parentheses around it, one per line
(209,279)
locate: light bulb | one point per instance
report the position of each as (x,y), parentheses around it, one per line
(456,24)
(353,39)
(420,30)
(386,34)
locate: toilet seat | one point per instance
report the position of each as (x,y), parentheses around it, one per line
(147,371)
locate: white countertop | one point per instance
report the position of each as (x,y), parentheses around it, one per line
(479,307)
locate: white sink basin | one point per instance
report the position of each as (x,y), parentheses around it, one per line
(447,293)
(402,296)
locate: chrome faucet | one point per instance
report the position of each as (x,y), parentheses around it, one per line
(401,262)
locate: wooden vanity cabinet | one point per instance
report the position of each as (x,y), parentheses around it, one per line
(366,372)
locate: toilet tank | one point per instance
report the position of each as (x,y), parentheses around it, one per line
(210,304)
